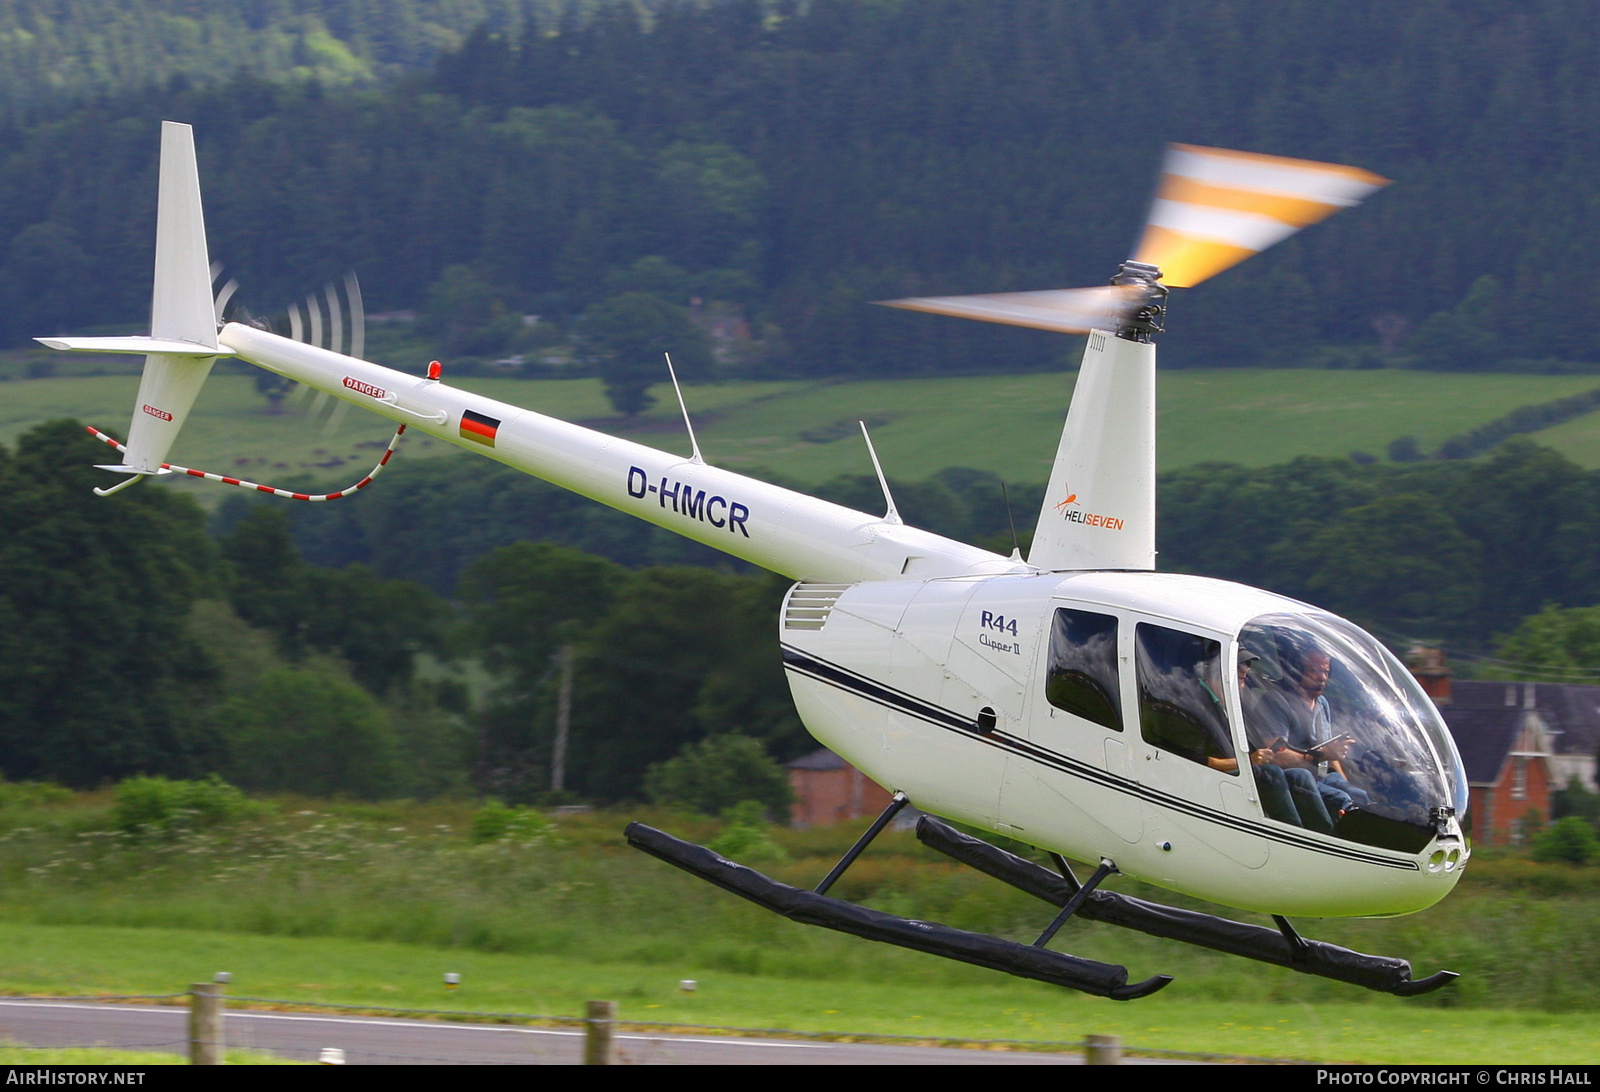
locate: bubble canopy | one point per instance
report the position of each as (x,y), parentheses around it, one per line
(1320,695)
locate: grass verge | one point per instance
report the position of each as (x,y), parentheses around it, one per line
(373,904)
(87,960)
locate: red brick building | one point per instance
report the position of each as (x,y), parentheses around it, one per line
(1519,742)
(827,789)
(1506,751)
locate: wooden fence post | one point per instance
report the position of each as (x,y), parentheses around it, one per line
(205,1023)
(1103,1050)
(598,1023)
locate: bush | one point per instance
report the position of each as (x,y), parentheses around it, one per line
(1571,840)
(717,773)
(494,821)
(146,804)
(29,794)
(1576,800)
(311,730)
(745,838)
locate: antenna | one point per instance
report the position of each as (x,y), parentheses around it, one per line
(891,516)
(1016,543)
(693,443)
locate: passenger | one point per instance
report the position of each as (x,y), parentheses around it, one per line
(1287,795)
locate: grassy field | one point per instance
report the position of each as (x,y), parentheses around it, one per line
(1578,439)
(1009,424)
(59,960)
(372,905)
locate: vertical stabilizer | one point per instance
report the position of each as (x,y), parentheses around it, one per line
(1099,509)
(181,308)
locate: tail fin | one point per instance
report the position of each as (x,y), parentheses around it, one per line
(182,344)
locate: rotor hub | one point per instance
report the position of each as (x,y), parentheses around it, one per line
(1148,310)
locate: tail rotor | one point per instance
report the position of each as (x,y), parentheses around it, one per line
(328,311)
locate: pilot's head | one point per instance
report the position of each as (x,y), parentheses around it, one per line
(1314,668)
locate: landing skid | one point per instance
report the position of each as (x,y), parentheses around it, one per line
(810,908)
(1283,947)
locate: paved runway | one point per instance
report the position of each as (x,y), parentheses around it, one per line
(390,1041)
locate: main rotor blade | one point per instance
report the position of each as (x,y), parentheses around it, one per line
(1068,310)
(1216,207)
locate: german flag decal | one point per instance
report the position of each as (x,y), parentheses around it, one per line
(479,428)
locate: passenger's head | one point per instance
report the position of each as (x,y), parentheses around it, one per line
(1247,660)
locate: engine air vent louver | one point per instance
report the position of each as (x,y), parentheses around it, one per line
(809,605)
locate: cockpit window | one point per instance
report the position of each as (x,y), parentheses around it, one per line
(1181,704)
(1349,727)
(1082,678)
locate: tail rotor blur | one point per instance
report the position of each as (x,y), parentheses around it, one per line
(224,294)
(332,313)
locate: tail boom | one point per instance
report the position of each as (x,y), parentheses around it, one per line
(778,529)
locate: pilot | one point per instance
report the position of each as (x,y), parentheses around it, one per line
(1287,795)
(1306,740)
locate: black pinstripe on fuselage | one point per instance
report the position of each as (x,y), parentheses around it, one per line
(810,666)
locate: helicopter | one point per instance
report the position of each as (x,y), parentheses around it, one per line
(1199,735)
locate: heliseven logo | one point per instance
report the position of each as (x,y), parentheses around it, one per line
(1074,514)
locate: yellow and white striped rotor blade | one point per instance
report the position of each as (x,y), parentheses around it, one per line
(1068,310)
(1216,208)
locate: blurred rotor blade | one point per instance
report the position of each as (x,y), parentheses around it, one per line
(335,419)
(358,316)
(1068,310)
(226,294)
(335,318)
(1215,208)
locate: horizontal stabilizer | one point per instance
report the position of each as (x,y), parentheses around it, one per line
(140,345)
(124,468)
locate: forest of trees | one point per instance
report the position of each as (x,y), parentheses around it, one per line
(55,54)
(799,160)
(157,648)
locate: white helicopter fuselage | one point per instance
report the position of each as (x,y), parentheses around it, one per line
(937,689)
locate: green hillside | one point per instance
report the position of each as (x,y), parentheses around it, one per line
(1578,440)
(806,430)
(784,164)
